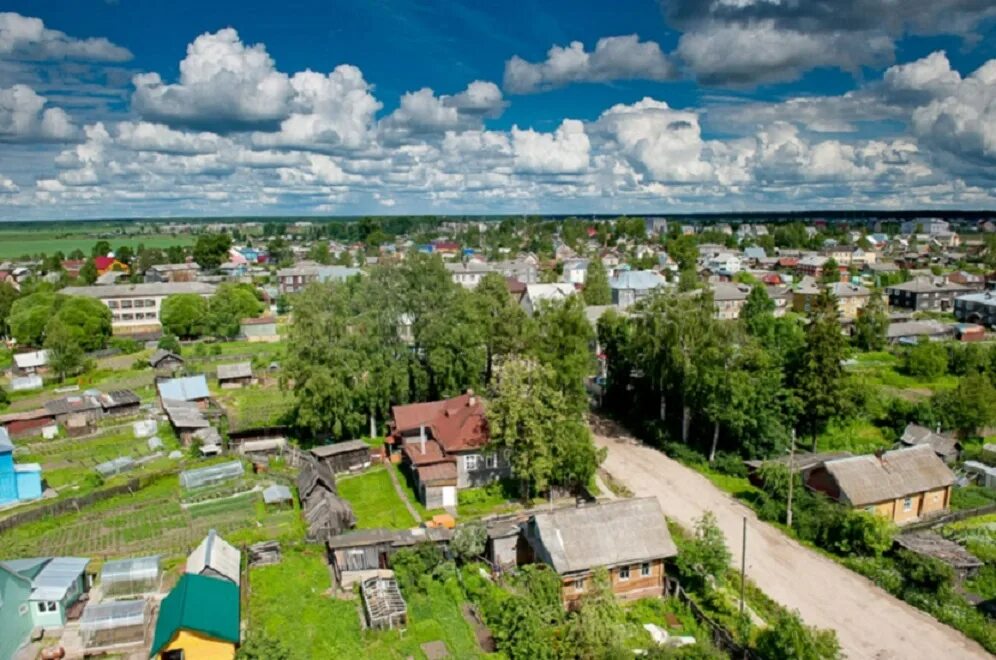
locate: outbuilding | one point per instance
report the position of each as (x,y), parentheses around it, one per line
(349,456)
(231,376)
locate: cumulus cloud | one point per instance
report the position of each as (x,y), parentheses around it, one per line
(562,152)
(7,186)
(24,117)
(614,58)
(145,136)
(23,37)
(422,112)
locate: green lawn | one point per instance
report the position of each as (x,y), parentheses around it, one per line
(14,244)
(254,405)
(885,369)
(856,436)
(374,500)
(288,600)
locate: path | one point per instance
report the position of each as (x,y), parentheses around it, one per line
(869,622)
(391,472)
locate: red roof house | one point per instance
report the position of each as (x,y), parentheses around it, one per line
(105,264)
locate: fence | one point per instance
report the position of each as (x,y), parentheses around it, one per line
(949,517)
(721,637)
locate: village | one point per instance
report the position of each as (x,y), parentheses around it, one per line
(520,438)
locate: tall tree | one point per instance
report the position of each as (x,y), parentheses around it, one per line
(872,324)
(563,342)
(596,284)
(820,374)
(88,272)
(185,315)
(29,314)
(65,355)
(8,294)
(100,249)
(87,319)
(504,324)
(211,250)
(229,305)
(831,272)
(758,311)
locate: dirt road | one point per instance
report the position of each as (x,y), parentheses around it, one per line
(869,622)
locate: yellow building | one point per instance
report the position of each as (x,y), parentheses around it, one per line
(902,485)
(198,620)
(851,298)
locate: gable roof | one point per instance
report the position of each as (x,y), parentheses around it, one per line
(457,424)
(189,388)
(162,354)
(200,604)
(237,370)
(609,534)
(217,555)
(57,577)
(869,479)
(72,404)
(32,359)
(914,434)
(336,448)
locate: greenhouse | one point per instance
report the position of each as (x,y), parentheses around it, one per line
(112,624)
(131,577)
(116,466)
(208,476)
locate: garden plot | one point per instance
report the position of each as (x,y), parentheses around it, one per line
(255,405)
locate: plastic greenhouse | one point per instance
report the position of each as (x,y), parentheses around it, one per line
(208,476)
(116,466)
(114,623)
(131,577)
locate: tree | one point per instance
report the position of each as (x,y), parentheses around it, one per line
(872,324)
(211,250)
(4,398)
(504,324)
(927,359)
(29,314)
(169,343)
(100,249)
(968,407)
(185,315)
(758,310)
(596,284)
(563,339)
(319,252)
(788,638)
(65,356)
(705,555)
(87,319)
(230,304)
(8,294)
(831,272)
(820,374)
(593,630)
(88,272)
(468,541)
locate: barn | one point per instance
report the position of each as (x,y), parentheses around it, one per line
(350,456)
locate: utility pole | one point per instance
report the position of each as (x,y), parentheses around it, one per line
(743,568)
(788,511)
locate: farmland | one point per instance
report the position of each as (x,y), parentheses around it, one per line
(16,243)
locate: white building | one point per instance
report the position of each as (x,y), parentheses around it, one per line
(725,263)
(135,308)
(575,271)
(537,294)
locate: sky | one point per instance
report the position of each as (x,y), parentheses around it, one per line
(140,108)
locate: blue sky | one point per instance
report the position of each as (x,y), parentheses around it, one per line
(138,108)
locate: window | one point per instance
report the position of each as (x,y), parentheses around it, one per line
(908,504)
(176,654)
(491,461)
(579,584)
(470,462)
(645,569)
(47,606)
(126,304)
(113,304)
(624,572)
(870,508)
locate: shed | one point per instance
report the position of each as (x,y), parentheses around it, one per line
(113,624)
(235,375)
(28,423)
(353,555)
(119,402)
(946,447)
(344,456)
(327,514)
(313,476)
(186,418)
(30,363)
(277,494)
(26,383)
(216,557)
(165,362)
(189,388)
(206,607)
(931,544)
(81,404)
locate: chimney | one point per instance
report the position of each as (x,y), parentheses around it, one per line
(421,436)
(472,400)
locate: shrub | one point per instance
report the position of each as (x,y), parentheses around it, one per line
(125,345)
(788,637)
(729,463)
(926,360)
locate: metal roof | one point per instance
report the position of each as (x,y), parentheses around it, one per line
(237,370)
(217,555)
(152,289)
(325,451)
(639,280)
(30,360)
(276,493)
(57,577)
(189,388)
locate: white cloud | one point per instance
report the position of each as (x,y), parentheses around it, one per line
(24,117)
(145,136)
(927,77)
(614,58)
(422,112)
(23,37)
(7,186)
(562,152)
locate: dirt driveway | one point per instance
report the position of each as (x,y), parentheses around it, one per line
(869,622)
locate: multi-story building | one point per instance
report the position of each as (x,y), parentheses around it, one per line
(930,226)
(851,298)
(931,295)
(977,307)
(470,273)
(187,272)
(628,286)
(135,308)
(296,278)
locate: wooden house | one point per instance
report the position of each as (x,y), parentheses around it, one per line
(215,557)
(231,376)
(166,363)
(356,556)
(902,485)
(27,423)
(628,538)
(86,405)
(325,513)
(946,447)
(349,456)
(119,403)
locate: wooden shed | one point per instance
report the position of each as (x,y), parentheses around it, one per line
(236,375)
(26,424)
(349,456)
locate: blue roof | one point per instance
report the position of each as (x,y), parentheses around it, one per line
(326,273)
(190,388)
(755,253)
(5,443)
(640,280)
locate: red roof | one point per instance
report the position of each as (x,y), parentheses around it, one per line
(457,424)
(772,278)
(433,453)
(103,263)
(788,262)
(446,245)
(514,286)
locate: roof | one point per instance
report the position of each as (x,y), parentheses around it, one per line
(237,370)
(314,473)
(37,413)
(438,473)
(165,268)
(340,448)
(151,289)
(261,320)
(190,388)
(31,360)
(984,297)
(431,453)
(927,286)
(925,327)
(118,398)
(934,545)
(457,424)
(185,414)
(551,291)
(218,555)
(609,534)
(72,404)
(869,479)
(57,577)
(801,461)
(276,493)
(914,434)
(162,354)
(723,291)
(639,280)
(5,441)
(200,604)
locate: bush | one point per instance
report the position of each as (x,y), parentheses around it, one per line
(926,360)
(788,637)
(729,463)
(125,345)
(170,343)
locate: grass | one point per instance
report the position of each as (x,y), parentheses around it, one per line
(255,406)
(288,600)
(374,500)
(14,244)
(857,436)
(971,497)
(885,369)
(477,502)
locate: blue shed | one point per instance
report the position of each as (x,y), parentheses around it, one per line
(17,482)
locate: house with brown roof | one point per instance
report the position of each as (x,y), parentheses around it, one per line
(902,485)
(444,445)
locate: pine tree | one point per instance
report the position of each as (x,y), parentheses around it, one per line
(596,285)
(757,311)
(820,373)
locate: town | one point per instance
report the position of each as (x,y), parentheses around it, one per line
(518,437)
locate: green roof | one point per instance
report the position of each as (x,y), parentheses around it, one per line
(200,604)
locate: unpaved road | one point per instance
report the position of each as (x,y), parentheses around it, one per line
(869,622)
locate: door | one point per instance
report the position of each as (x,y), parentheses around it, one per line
(449,496)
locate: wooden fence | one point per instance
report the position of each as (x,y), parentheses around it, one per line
(721,637)
(953,516)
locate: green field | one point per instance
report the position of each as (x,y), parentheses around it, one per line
(374,501)
(14,244)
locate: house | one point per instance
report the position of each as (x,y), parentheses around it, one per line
(468,274)
(233,376)
(932,295)
(970,280)
(977,308)
(85,404)
(325,513)
(107,264)
(902,485)
(166,363)
(199,620)
(262,329)
(811,265)
(361,554)
(30,363)
(946,447)
(851,298)
(754,255)
(135,308)
(575,272)
(537,294)
(18,482)
(628,286)
(348,456)
(910,332)
(119,403)
(628,538)
(296,278)
(729,298)
(216,558)
(726,264)
(930,226)
(41,592)
(655,226)
(191,389)
(73,267)
(28,423)
(186,272)
(444,446)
